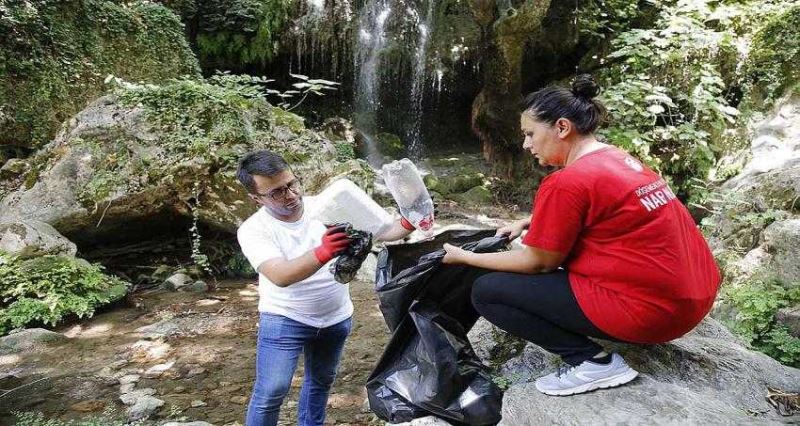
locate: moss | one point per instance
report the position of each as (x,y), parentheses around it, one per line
(478,195)
(772,66)
(390,145)
(55,55)
(287,119)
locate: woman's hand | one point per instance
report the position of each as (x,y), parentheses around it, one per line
(454,255)
(512,230)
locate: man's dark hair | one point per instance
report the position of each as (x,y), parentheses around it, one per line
(262,163)
(578,105)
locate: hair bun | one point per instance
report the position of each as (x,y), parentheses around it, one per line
(585,87)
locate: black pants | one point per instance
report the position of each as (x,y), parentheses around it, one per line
(540,309)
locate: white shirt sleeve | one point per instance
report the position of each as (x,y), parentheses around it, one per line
(257,245)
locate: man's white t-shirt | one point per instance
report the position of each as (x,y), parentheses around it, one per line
(317,301)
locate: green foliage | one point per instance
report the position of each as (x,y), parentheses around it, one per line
(772,66)
(49,288)
(755,303)
(240,32)
(345,151)
(597,19)
(55,54)
(667,87)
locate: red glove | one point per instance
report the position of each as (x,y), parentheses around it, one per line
(406,224)
(334,242)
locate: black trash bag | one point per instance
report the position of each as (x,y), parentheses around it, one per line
(349,262)
(429,367)
(412,271)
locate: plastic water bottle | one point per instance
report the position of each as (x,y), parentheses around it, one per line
(409,192)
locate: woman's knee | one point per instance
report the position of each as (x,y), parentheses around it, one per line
(482,289)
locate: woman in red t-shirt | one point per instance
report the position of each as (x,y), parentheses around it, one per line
(635,267)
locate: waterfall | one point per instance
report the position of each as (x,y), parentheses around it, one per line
(412,23)
(418,83)
(371,40)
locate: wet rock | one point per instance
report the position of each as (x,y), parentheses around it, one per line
(197,403)
(126,388)
(176,282)
(130,378)
(144,407)
(195,372)
(705,377)
(195,324)
(88,406)
(30,238)
(29,339)
(130,398)
(157,370)
(239,399)
(196,287)
(147,350)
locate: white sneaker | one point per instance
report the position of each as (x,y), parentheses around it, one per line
(586,377)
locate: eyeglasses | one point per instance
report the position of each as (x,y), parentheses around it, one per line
(279,194)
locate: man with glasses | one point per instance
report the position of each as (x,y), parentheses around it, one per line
(302,308)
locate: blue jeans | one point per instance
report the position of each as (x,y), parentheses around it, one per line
(280,342)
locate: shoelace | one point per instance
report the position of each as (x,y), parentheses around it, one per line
(564,370)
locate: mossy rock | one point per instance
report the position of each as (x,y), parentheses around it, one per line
(171,149)
(290,120)
(475,196)
(772,65)
(456,184)
(431,181)
(389,145)
(55,56)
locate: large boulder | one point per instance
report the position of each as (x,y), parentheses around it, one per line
(29,339)
(754,233)
(707,376)
(54,57)
(29,238)
(154,154)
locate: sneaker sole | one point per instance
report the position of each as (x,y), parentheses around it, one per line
(608,382)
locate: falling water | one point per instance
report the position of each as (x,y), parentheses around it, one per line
(418,84)
(371,41)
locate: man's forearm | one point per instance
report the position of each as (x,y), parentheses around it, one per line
(393,233)
(283,273)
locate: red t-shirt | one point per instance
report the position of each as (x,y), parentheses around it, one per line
(639,267)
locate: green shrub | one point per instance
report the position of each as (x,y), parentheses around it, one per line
(772,66)
(55,54)
(668,88)
(240,32)
(47,289)
(755,303)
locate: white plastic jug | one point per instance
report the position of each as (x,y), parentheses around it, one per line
(344,201)
(412,197)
